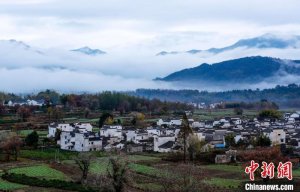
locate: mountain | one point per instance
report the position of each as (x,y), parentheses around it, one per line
(266,41)
(285,96)
(243,70)
(89,51)
(12,44)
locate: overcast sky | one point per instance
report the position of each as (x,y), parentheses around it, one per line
(158,24)
(132,31)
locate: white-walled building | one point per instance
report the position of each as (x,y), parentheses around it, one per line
(278,136)
(160,140)
(66,127)
(111,131)
(76,137)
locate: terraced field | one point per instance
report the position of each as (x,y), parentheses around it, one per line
(224,183)
(8,186)
(40,171)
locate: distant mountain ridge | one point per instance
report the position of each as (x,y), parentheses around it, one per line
(243,70)
(88,51)
(14,44)
(262,42)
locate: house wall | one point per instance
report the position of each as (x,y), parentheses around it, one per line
(161,140)
(94,145)
(111,131)
(130,135)
(81,143)
(65,141)
(51,131)
(277,136)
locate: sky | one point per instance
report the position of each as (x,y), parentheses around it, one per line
(131,32)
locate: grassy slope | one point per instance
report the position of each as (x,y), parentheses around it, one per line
(41,171)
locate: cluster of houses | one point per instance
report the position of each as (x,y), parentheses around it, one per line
(27,102)
(165,136)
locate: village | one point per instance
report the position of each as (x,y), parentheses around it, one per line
(164,136)
(83,143)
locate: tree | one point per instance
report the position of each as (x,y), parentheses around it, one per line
(2,109)
(103,118)
(118,173)
(86,113)
(83,160)
(32,139)
(184,132)
(23,113)
(270,113)
(195,146)
(263,141)
(11,146)
(238,111)
(57,135)
(230,141)
(242,143)
(56,114)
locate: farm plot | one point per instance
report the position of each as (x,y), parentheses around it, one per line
(40,171)
(227,168)
(8,186)
(224,183)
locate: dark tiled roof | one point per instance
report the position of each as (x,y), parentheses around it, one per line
(94,139)
(167,145)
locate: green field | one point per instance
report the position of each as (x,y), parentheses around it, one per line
(99,166)
(47,154)
(144,169)
(8,186)
(40,171)
(24,133)
(135,158)
(296,172)
(219,113)
(224,183)
(228,168)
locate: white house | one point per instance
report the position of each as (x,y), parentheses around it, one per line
(200,135)
(130,135)
(197,124)
(295,115)
(111,131)
(236,121)
(87,142)
(160,140)
(161,122)
(278,136)
(176,122)
(65,127)
(80,140)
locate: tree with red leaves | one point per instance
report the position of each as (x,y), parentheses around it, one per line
(11,147)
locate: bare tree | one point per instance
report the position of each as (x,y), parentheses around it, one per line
(117,172)
(182,178)
(24,113)
(11,146)
(185,131)
(83,160)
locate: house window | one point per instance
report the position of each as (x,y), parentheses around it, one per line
(281,140)
(92,143)
(81,145)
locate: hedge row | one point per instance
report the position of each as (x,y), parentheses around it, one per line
(33,181)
